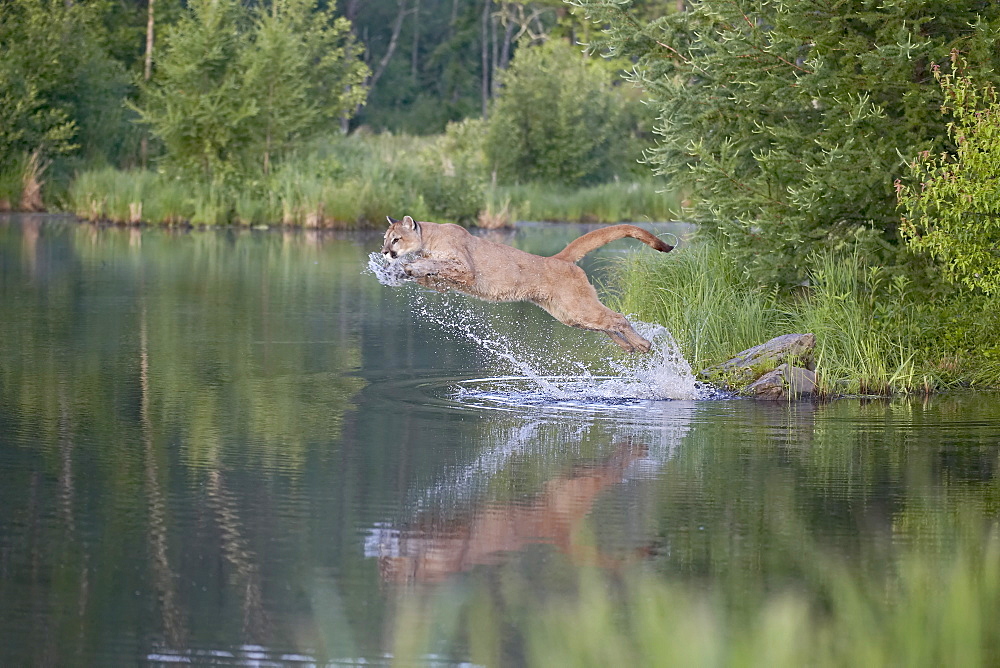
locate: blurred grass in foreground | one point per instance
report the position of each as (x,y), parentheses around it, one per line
(926,610)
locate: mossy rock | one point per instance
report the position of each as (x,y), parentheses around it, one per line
(741,372)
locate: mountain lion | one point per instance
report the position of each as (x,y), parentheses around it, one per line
(443,256)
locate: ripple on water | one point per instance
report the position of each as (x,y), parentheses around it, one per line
(591,397)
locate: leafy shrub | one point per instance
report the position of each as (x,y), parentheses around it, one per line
(239,89)
(951,199)
(559,119)
(786,120)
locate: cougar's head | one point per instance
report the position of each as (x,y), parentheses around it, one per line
(402,237)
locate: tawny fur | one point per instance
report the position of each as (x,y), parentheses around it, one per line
(445,257)
(432,549)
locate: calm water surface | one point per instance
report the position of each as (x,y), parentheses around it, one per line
(238,447)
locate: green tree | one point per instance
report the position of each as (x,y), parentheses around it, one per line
(195,105)
(60,93)
(439,61)
(558,118)
(950,199)
(785,120)
(235,90)
(303,74)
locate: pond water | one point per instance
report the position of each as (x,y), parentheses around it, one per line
(238,447)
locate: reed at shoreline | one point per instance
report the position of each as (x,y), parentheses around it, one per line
(876,334)
(355,182)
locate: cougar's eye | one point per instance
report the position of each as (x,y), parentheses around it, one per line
(394,241)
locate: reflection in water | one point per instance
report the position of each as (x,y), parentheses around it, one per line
(130,360)
(163,575)
(432,548)
(209,440)
(234,547)
(479,513)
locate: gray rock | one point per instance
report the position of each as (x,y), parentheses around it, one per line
(790,348)
(780,368)
(784,382)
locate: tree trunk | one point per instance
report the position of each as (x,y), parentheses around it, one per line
(415,53)
(147,74)
(485,38)
(508,38)
(267,153)
(351,10)
(397,27)
(495,50)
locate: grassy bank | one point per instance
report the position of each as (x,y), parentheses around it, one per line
(875,335)
(356,181)
(605,203)
(342,183)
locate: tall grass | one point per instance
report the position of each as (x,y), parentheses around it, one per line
(605,203)
(355,181)
(343,182)
(933,611)
(861,322)
(711,310)
(871,331)
(131,196)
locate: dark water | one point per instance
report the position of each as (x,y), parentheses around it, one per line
(238,447)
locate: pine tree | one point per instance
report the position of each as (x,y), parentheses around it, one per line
(786,121)
(302,73)
(196,106)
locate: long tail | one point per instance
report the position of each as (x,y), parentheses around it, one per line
(592,240)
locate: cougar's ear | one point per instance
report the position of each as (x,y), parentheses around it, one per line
(408,223)
(392,221)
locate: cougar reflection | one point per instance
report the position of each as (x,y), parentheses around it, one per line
(430,548)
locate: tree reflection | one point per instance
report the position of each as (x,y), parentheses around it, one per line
(164,578)
(776,530)
(190,471)
(136,364)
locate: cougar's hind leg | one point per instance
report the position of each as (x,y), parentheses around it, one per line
(580,307)
(639,343)
(629,339)
(622,342)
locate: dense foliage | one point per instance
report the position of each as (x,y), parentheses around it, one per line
(60,91)
(222,95)
(437,61)
(951,200)
(876,333)
(236,90)
(559,118)
(787,120)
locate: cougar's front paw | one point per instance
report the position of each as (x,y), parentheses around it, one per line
(417,271)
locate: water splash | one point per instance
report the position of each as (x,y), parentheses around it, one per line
(386,273)
(663,373)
